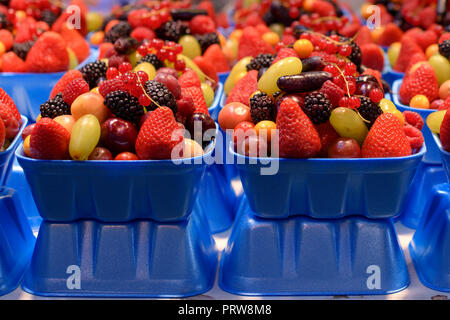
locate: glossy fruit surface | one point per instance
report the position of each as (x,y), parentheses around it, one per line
(348,124)
(232,114)
(84,138)
(344,148)
(118,135)
(100,154)
(89,103)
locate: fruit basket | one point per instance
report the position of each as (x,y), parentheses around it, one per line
(444,155)
(429,247)
(432,156)
(373,188)
(113,191)
(29,90)
(16,241)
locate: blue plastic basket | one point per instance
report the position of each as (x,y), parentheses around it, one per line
(137,259)
(303,256)
(445,156)
(16,240)
(215,107)
(114,191)
(430,246)
(30,90)
(389,74)
(223,76)
(327,188)
(432,156)
(6,157)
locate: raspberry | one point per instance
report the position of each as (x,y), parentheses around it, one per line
(414,136)
(285,53)
(202,24)
(317,107)
(108,86)
(333,92)
(413,119)
(75,89)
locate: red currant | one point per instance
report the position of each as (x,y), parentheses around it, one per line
(345,50)
(180,65)
(125,67)
(376,95)
(349,69)
(343,102)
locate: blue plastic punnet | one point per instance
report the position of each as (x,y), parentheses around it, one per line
(304,256)
(114,191)
(136,259)
(30,90)
(432,156)
(223,76)
(7,156)
(389,74)
(444,155)
(327,188)
(215,107)
(430,246)
(16,240)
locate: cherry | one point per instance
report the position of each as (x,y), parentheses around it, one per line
(126,156)
(100,154)
(344,148)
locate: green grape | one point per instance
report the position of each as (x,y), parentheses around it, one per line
(393,52)
(191,47)
(239,67)
(441,67)
(286,67)
(85,137)
(387,106)
(73,61)
(208,93)
(94,21)
(434,121)
(348,124)
(278,28)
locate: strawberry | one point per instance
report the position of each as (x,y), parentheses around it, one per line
(105,48)
(49,140)
(421,80)
(75,89)
(76,42)
(49,54)
(413,119)
(426,39)
(64,82)
(415,137)
(207,67)
(372,56)
(413,33)
(2,134)
(285,53)
(386,139)
(8,107)
(25,32)
(222,20)
(189,79)
(202,25)
(327,136)
(323,8)
(253,20)
(7,39)
(427,16)
(445,132)
(333,92)
(217,58)
(298,138)
(364,36)
(158,136)
(244,88)
(196,94)
(417,57)
(10,62)
(409,48)
(252,44)
(143,33)
(391,33)
(209,7)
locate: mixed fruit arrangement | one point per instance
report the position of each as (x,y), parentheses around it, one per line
(319,96)
(35,37)
(10,120)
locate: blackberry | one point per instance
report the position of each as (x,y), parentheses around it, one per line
(152,59)
(55,107)
(93,71)
(22,49)
(369,110)
(49,17)
(161,95)
(172,30)
(126,45)
(262,108)
(120,30)
(444,49)
(317,107)
(207,40)
(263,60)
(124,106)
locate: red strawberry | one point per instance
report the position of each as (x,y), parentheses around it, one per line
(158,136)
(209,7)
(207,67)
(409,48)
(333,92)
(252,44)
(426,39)
(196,94)
(75,89)
(143,33)
(262,28)
(323,8)
(327,136)
(417,57)
(104,48)
(222,20)
(391,33)
(64,82)
(2,134)
(217,58)
(413,119)
(444,36)
(297,134)
(7,39)
(386,139)
(285,53)
(427,16)
(10,62)
(109,86)
(244,88)
(372,56)
(422,80)
(18,4)
(8,101)
(202,25)
(253,20)
(189,79)
(414,136)
(25,32)
(66,17)
(364,36)
(49,140)
(76,42)
(413,33)
(49,54)
(445,132)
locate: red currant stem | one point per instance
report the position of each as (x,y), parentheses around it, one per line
(145,92)
(326,19)
(362,118)
(334,41)
(343,76)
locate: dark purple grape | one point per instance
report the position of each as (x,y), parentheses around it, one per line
(304,82)
(126,45)
(206,122)
(313,64)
